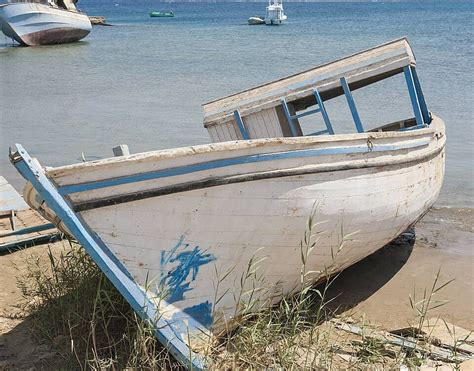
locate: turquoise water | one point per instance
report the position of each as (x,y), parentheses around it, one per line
(142,82)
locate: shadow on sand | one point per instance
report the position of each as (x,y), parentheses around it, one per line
(363,279)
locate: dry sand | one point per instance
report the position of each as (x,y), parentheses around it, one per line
(378,287)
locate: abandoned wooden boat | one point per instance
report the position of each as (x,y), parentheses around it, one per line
(44,23)
(176,230)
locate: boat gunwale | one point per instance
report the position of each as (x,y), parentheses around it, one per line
(202,167)
(241,178)
(236,145)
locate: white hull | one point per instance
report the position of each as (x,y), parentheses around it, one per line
(174,218)
(275,21)
(255,21)
(274,14)
(39,24)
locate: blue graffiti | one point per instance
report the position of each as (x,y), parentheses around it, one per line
(182,264)
(179,278)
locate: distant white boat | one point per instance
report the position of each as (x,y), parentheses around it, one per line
(274,14)
(45,23)
(256,20)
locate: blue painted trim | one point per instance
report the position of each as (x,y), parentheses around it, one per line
(306,113)
(421,98)
(416,127)
(323,111)
(166,331)
(29,242)
(352,106)
(413,95)
(241,126)
(36,228)
(216,164)
(293,129)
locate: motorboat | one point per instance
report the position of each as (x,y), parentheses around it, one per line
(274,14)
(44,23)
(255,20)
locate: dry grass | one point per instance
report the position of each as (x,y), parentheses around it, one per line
(74,305)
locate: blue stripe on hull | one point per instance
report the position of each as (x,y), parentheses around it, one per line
(216,164)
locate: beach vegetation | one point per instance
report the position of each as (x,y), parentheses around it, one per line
(73,305)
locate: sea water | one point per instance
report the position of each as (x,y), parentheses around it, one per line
(142,81)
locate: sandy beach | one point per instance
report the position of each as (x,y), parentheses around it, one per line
(376,288)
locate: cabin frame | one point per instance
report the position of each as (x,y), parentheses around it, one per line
(274,109)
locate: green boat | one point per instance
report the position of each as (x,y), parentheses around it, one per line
(162,14)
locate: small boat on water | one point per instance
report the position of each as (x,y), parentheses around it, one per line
(44,23)
(177,230)
(255,20)
(274,14)
(162,14)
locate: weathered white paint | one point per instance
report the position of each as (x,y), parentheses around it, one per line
(263,218)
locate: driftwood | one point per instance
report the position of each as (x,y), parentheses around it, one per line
(19,225)
(437,341)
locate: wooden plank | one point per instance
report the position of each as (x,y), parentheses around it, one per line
(216,134)
(249,124)
(229,130)
(259,125)
(212,130)
(272,123)
(265,122)
(234,131)
(30,228)
(220,133)
(9,198)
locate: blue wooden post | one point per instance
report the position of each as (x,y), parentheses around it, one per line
(413,95)
(352,106)
(240,124)
(289,117)
(323,111)
(421,98)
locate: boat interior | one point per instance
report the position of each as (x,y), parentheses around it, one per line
(276,109)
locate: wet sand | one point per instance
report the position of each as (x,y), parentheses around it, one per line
(378,287)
